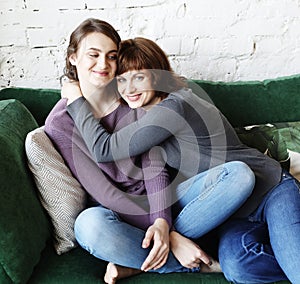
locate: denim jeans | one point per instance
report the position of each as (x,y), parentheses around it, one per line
(265,247)
(204,202)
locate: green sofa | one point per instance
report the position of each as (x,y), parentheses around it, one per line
(26,249)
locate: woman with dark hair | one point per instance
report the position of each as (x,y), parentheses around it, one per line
(133,197)
(260,243)
(94,227)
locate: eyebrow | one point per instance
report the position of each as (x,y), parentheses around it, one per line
(99,50)
(139,73)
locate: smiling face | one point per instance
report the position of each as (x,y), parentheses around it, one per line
(95,60)
(136,88)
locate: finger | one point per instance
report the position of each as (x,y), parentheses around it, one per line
(150,259)
(161,263)
(192,265)
(198,261)
(147,240)
(204,257)
(155,257)
(156,263)
(160,258)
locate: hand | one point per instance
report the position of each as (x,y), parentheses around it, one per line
(71,91)
(188,253)
(159,234)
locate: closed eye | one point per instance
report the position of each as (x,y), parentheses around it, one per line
(94,55)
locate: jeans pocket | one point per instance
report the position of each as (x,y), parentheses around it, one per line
(256,241)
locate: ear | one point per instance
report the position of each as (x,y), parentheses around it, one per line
(73,59)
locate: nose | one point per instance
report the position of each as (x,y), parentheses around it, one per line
(102,62)
(130,88)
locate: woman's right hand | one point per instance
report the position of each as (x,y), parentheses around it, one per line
(157,235)
(188,253)
(71,91)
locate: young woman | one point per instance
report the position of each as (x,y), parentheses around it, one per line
(134,198)
(263,244)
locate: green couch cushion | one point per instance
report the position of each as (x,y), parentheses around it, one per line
(255,102)
(24,227)
(274,139)
(268,139)
(290,131)
(79,267)
(38,101)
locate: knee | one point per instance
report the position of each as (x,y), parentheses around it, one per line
(90,224)
(84,225)
(244,175)
(243,170)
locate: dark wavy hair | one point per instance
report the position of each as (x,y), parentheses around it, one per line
(88,26)
(141,53)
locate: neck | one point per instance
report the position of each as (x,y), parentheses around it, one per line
(103,100)
(154,101)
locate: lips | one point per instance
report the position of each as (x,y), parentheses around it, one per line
(134,98)
(101,73)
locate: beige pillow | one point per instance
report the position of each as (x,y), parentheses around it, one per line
(60,193)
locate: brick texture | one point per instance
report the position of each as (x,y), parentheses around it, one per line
(218,40)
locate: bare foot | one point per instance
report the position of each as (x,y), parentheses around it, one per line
(214,267)
(115,272)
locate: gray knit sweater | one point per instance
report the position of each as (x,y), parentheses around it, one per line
(194,134)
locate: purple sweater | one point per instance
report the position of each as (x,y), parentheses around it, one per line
(135,188)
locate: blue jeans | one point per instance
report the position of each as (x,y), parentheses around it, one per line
(204,202)
(265,247)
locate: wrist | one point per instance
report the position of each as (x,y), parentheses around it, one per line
(161,222)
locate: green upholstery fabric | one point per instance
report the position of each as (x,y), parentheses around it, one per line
(244,103)
(273,139)
(38,101)
(247,103)
(267,139)
(23,225)
(4,278)
(290,131)
(78,267)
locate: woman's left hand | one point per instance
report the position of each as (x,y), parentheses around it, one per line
(158,233)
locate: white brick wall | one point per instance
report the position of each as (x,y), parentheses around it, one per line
(220,40)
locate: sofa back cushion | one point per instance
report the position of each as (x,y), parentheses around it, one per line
(24,227)
(38,101)
(254,102)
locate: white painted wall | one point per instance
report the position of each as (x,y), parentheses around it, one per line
(219,40)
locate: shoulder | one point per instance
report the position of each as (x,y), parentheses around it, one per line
(58,110)
(58,117)
(177,100)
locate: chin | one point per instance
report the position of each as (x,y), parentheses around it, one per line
(133,105)
(102,83)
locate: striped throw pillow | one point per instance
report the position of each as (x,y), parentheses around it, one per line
(60,193)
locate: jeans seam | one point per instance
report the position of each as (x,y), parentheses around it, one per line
(249,247)
(203,195)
